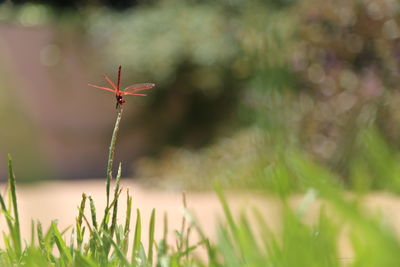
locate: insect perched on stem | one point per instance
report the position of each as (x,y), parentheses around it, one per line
(130,90)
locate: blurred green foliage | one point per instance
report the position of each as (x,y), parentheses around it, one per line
(310,75)
(202,55)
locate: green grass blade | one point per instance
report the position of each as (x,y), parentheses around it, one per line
(165,230)
(127,221)
(162,248)
(16,226)
(120,254)
(62,247)
(189,229)
(106,217)
(120,237)
(71,242)
(116,196)
(189,249)
(7,214)
(32,232)
(151,236)
(137,237)
(227,211)
(211,250)
(84,261)
(42,243)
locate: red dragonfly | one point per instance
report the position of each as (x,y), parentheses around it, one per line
(130,90)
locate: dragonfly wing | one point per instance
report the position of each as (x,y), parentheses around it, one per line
(125,93)
(111,83)
(102,88)
(138,87)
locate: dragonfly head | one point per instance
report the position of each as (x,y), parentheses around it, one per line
(120,99)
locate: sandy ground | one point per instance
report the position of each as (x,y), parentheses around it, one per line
(59,200)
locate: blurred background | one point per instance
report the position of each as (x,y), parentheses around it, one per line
(240,86)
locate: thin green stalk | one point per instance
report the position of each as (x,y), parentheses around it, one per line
(111,155)
(16,228)
(111,231)
(32,232)
(116,195)
(127,221)
(42,242)
(7,214)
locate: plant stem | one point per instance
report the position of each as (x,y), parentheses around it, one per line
(16,227)
(111,155)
